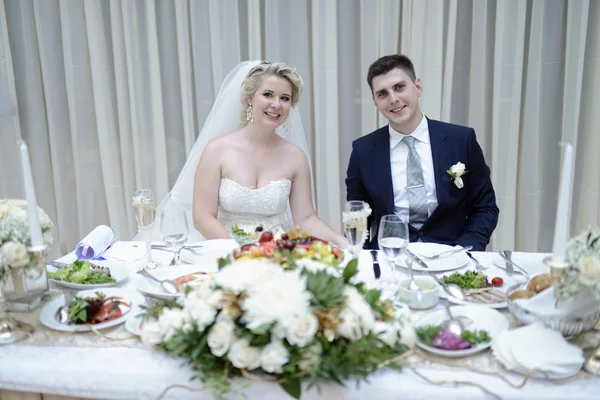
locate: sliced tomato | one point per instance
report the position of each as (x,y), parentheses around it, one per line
(336,252)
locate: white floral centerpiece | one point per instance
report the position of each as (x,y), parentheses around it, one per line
(298,323)
(15,236)
(583,272)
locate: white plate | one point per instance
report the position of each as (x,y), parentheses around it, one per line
(118,271)
(533,263)
(152,288)
(446,263)
(492,272)
(134,325)
(48,313)
(481,319)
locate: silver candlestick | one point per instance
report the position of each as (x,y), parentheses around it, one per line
(12,330)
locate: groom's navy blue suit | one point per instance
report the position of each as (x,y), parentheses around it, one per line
(466,216)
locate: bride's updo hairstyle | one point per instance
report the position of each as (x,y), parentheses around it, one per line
(265,68)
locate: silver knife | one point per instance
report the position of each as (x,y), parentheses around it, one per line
(509,266)
(416,259)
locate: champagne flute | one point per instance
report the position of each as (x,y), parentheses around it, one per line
(354,219)
(145,214)
(393,237)
(174,229)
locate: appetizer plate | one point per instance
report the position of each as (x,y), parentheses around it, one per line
(451,262)
(48,313)
(152,288)
(479,318)
(492,272)
(118,271)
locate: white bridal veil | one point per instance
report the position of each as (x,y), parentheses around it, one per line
(224,118)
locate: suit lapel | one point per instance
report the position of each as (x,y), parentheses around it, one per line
(380,159)
(440,152)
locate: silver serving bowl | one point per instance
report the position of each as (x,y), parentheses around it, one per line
(567,325)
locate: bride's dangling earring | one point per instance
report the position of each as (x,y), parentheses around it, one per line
(286,127)
(249,116)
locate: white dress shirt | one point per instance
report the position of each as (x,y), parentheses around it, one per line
(398,156)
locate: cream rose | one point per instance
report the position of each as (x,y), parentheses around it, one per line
(350,327)
(171,320)
(221,336)
(388,333)
(273,357)
(302,330)
(151,333)
(15,254)
(244,356)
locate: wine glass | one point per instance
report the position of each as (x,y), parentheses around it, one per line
(393,238)
(145,213)
(174,229)
(354,219)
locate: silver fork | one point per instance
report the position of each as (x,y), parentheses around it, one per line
(478,265)
(446,253)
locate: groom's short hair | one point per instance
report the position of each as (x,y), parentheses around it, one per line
(387,63)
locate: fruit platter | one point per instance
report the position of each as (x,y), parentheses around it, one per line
(283,247)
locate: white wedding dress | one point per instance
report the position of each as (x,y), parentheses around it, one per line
(250,207)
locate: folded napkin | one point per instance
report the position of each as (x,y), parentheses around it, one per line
(544,303)
(95,243)
(535,347)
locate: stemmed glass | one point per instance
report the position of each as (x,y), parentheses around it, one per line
(393,238)
(145,214)
(174,230)
(354,219)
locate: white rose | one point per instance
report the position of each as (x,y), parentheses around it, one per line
(387,332)
(204,289)
(350,326)
(302,330)
(151,333)
(221,336)
(590,267)
(356,303)
(198,311)
(171,320)
(244,356)
(15,254)
(458,169)
(459,183)
(5,209)
(273,356)
(216,299)
(408,337)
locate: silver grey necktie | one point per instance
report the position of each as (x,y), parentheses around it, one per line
(415,185)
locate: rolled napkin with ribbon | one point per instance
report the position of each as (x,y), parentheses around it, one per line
(95,243)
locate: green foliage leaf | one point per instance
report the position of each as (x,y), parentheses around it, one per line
(224,261)
(350,270)
(327,290)
(293,387)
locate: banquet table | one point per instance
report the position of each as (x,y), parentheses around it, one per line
(52,365)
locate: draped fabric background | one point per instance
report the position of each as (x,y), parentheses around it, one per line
(110,95)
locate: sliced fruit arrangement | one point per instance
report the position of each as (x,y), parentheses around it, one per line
(292,245)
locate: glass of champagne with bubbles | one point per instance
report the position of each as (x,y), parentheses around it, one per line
(354,218)
(145,214)
(393,238)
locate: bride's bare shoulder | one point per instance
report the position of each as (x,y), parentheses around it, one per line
(222,143)
(293,152)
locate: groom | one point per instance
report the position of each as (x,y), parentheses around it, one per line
(429,172)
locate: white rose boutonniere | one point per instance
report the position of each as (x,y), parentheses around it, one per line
(455,172)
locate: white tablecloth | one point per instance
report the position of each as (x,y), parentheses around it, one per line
(119,371)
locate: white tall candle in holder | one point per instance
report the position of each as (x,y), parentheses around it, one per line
(563,209)
(32,211)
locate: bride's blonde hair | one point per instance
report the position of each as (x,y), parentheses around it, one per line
(265,68)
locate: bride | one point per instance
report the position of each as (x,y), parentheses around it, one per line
(258,174)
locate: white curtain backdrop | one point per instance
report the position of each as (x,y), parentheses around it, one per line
(110,95)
